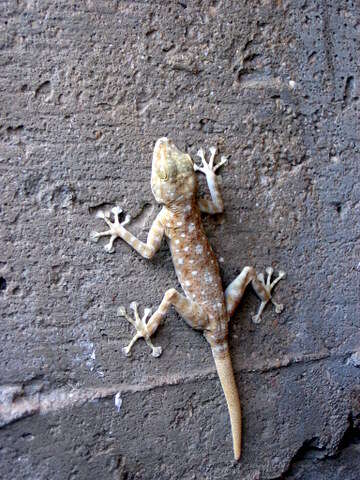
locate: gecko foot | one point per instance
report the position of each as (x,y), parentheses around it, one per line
(140,326)
(208,167)
(113,226)
(268,285)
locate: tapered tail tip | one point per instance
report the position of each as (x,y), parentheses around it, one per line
(226,375)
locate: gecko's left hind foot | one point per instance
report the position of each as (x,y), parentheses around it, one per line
(140,326)
(269,285)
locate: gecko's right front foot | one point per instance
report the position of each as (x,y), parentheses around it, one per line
(140,325)
(268,286)
(209,168)
(113,227)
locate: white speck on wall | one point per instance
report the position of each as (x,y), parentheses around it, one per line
(198,249)
(180,261)
(186,249)
(221,259)
(191,227)
(118,401)
(354,359)
(292,84)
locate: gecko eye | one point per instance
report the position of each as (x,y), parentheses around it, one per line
(163,174)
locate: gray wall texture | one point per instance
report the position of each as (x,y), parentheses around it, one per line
(86,88)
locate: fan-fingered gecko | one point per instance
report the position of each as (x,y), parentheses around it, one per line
(205,306)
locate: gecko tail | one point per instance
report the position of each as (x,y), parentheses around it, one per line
(227,379)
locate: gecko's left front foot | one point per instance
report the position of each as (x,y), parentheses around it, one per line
(268,286)
(113,227)
(142,331)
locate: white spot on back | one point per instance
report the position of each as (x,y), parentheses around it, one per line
(183,235)
(179,224)
(194,273)
(208,278)
(180,261)
(177,241)
(199,249)
(191,227)
(187,283)
(186,249)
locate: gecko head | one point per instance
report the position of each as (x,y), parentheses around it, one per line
(172,177)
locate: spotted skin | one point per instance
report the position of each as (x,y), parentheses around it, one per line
(205,306)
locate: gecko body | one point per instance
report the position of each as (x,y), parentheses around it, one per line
(205,305)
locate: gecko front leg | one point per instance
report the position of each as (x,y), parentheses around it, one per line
(216,204)
(114,227)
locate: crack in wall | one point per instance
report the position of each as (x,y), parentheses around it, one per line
(314,451)
(14,406)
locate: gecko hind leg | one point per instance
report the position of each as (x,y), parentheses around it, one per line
(236,289)
(140,327)
(190,311)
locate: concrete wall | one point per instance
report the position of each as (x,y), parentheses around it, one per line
(86,88)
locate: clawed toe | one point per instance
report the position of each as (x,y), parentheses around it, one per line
(126,351)
(261,277)
(279,307)
(94,236)
(109,248)
(156,352)
(256,319)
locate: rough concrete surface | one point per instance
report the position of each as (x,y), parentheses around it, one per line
(86,87)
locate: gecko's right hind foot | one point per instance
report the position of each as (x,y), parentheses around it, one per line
(140,325)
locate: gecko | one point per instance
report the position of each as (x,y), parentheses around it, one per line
(205,305)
